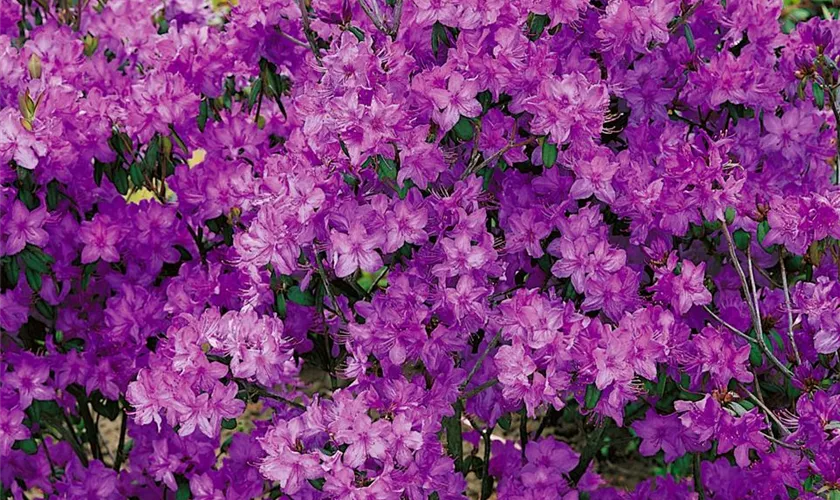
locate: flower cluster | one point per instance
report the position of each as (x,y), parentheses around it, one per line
(419,249)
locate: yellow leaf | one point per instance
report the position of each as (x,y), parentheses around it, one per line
(197,157)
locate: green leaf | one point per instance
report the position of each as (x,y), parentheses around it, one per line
(152,153)
(440,36)
(464,130)
(689,37)
(33,263)
(229,423)
(136,174)
(256,89)
(34,279)
(45,309)
(537,25)
(318,483)
(183,492)
(729,215)
(454,442)
(52,195)
(504,422)
(360,36)
(280,305)
(301,297)
(203,114)
(592,396)
(762,230)
(108,408)
(98,170)
(755,355)
(742,239)
(87,272)
(386,168)
(549,154)
(121,181)
(28,446)
(11,270)
(819,95)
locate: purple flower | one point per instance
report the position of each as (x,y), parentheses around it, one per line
(664,433)
(30,379)
(287,462)
(100,237)
(455,100)
(355,249)
(685,290)
(23,226)
(11,425)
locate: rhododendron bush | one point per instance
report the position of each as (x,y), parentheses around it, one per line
(419,249)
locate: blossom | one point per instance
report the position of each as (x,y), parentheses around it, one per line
(30,379)
(100,237)
(594,177)
(286,462)
(455,100)
(355,249)
(24,226)
(663,433)
(11,423)
(684,290)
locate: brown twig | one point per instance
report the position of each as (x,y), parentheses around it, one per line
(788,307)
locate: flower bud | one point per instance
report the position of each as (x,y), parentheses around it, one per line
(34,66)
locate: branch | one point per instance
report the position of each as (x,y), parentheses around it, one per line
(477,365)
(307,31)
(730,327)
(788,306)
(750,303)
(593,444)
(766,410)
(495,156)
(485,385)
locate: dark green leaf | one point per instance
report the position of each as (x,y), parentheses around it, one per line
(121,181)
(256,89)
(98,170)
(87,272)
(136,174)
(28,446)
(203,114)
(762,230)
(537,25)
(464,129)
(11,270)
(52,195)
(301,297)
(755,355)
(152,153)
(360,36)
(318,483)
(34,279)
(504,422)
(592,396)
(108,408)
(28,199)
(46,310)
(280,305)
(386,168)
(183,492)
(454,442)
(229,423)
(689,37)
(819,95)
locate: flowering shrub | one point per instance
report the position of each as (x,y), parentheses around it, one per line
(419,249)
